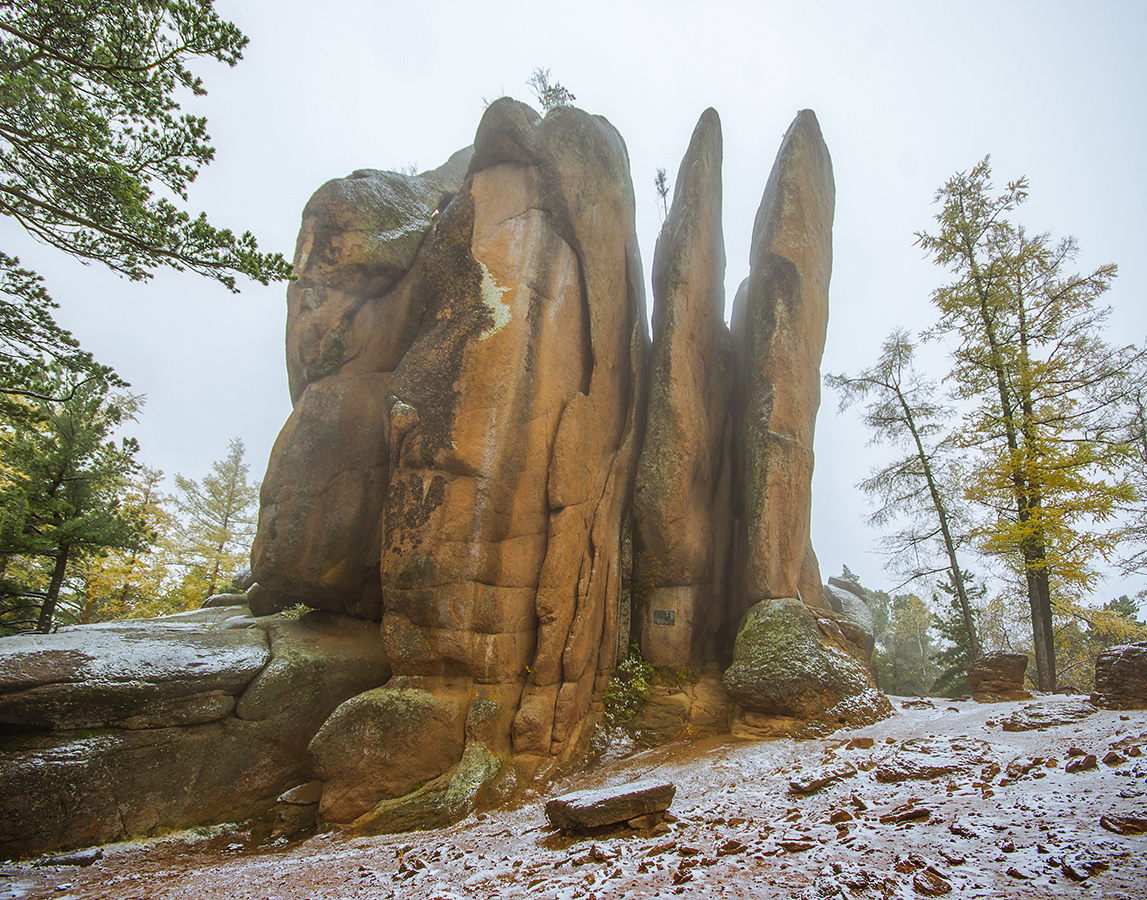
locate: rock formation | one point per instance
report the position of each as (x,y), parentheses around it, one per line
(780,318)
(997,677)
(122,729)
(723,504)
(481,433)
(1121,677)
(681,514)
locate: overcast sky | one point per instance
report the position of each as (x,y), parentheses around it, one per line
(907,94)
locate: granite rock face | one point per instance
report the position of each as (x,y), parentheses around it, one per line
(722,509)
(780,319)
(997,677)
(1121,677)
(681,504)
(351,316)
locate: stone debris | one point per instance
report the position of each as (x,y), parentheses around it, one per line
(1041,716)
(1081,763)
(609,806)
(931,883)
(926,758)
(1127,825)
(815,779)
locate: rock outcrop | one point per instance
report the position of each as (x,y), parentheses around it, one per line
(125,739)
(998,677)
(488,476)
(780,319)
(1121,677)
(723,505)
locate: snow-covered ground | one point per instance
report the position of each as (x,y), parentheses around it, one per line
(943,801)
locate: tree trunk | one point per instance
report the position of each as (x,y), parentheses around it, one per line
(1043,634)
(48,608)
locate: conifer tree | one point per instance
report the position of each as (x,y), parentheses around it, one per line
(218,519)
(1030,360)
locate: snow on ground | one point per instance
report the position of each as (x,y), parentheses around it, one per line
(943,801)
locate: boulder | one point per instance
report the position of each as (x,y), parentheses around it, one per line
(450,797)
(157,769)
(853,616)
(780,319)
(1121,677)
(609,806)
(681,494)
(363,752)
(784,665)
(998,677)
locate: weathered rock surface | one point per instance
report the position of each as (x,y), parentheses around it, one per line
(812,780)
(780,318)
(609,806)
(67,788)
(855,618)
(1121,677)
(383,744)
(1041,716)
(927,758)
(680,505)
(998,677)
(93,678)
(351,316)
(784,665)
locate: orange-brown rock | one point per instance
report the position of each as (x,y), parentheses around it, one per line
(780,317)
(513,423)
(681,502)
(351,316)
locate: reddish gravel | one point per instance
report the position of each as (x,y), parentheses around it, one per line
(944,801)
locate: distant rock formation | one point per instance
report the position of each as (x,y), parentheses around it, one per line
(1121,677)
(998,677)
(492,471)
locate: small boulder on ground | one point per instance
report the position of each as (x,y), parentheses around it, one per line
(1121,677)
(998,677)
(609,806)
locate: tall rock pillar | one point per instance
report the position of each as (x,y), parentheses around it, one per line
(780,318)
(681,502)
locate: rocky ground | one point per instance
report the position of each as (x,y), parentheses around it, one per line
(1023,799)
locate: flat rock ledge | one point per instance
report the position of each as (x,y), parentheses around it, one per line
(609,806)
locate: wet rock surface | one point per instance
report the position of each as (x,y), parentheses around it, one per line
(161,767)
(738,828)
(609,806)
(784,664)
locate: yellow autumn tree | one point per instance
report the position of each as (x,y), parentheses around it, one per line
(1030,360)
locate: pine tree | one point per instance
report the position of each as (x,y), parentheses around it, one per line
(62,488)
(954,660)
